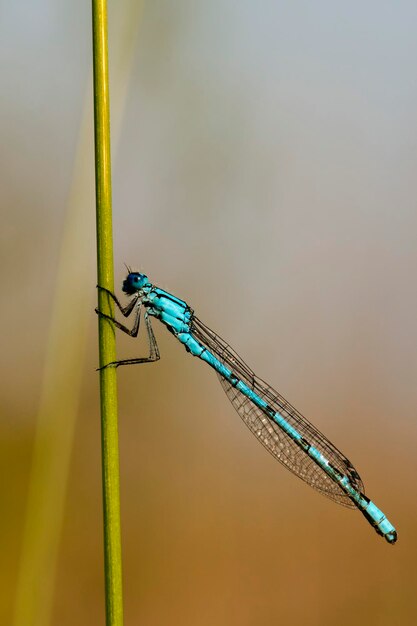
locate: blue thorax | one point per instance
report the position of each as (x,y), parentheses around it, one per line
(171,311)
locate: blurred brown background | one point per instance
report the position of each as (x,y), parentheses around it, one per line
(264,172)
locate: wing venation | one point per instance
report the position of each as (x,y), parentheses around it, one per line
(275,440)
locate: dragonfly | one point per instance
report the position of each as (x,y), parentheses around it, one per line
(282,430)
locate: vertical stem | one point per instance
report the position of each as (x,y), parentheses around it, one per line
(108,382)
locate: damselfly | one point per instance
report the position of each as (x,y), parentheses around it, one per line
(281,429)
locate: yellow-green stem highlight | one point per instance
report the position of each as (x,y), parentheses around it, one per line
(108,382)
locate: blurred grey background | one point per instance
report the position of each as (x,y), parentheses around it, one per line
(264,172)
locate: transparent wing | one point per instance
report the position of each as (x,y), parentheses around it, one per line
(275,440)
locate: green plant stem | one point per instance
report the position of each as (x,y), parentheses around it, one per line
(107,349)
